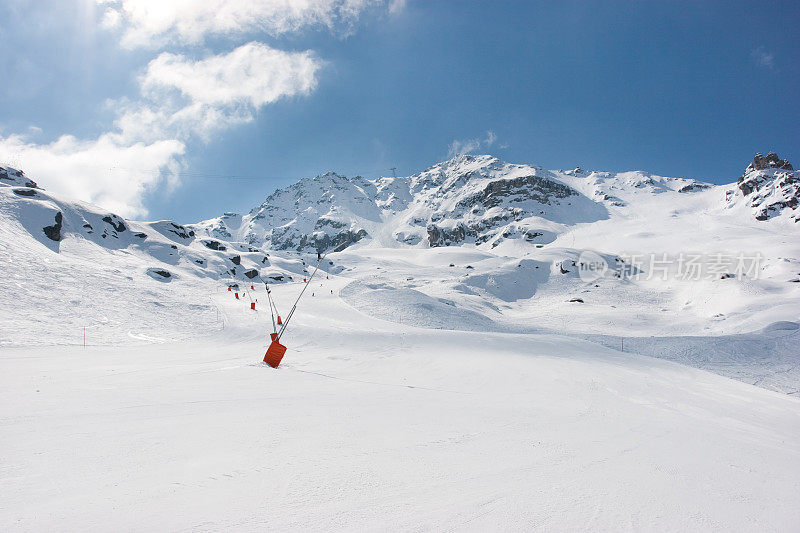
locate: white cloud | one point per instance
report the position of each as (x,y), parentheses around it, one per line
(106,171)
(181,99)
(199,97)
(253,74)
(396,6)
(466,146)
(155,22)
(763,58)
(111,19)
(462,147)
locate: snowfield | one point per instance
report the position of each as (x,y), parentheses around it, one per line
(371,425)
(449,369)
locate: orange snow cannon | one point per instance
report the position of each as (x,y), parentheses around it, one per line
(279,320)
(274,354)
(253,306)
(252,288)
(236,294)
(229,288)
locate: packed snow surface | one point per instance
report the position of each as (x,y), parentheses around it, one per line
(369,425)
(448,370)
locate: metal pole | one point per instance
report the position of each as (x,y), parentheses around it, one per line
(289,316)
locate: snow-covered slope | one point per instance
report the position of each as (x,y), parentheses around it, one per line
(371,425)
(67,265)
(454,367)
(55,221)
(681,256)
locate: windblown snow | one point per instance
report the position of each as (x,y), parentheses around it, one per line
(454,364)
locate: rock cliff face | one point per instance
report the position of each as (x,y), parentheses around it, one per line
(771,187)
(771,160)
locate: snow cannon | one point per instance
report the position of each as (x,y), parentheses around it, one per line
(279,320)
(236,294)
(229,288)
(253,306)
(274,353)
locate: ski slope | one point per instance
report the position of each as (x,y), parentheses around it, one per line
(369,425)
(482,385)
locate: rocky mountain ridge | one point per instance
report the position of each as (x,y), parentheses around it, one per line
(770,187)
(478,200)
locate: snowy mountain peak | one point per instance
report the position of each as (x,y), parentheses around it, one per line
(771,160)
(469,198)
(483,200)
(472,199)
(316,213)
(466,163)
(770,187)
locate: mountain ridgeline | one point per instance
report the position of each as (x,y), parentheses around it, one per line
(483,201)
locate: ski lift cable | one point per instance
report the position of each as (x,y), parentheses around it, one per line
(277,313)
(209,175)
(274,313)
(294,307)
(273,309)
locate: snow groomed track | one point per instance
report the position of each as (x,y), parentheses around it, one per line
(368,423)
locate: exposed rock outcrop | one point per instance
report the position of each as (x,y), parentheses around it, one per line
(770,186)
(54,232)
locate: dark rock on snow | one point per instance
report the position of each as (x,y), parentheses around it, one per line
(54,232)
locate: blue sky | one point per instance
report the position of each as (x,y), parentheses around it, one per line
(158,104)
